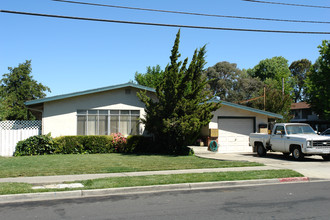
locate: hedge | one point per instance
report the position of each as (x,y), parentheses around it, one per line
(84,144)
(91,144)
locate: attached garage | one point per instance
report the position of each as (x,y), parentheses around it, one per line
(234,133)
(234,124)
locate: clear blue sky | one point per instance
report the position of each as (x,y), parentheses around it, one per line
(72,55)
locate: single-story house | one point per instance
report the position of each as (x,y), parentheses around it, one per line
(116,108)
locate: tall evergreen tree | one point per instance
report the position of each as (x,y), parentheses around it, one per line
(182,106)
(318,83)
(17,87)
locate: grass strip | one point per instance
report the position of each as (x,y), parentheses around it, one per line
(48,165)
(187,178)
(115,182)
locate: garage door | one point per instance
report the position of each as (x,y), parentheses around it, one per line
(234,134)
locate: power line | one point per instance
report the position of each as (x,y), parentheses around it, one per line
(191,13)
(289,4)
(160,24)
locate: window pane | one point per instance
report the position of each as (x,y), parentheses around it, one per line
(81,125)
(92,125)
(93,112)
(114,112)
(135,112)
(114,124)
(103,125)
(82,112)
(124,112)
(124,125)
(134,125)
(103,112)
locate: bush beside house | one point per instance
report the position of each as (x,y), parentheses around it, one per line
(92,144)
(36,145)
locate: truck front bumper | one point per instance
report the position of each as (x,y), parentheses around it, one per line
(316,151)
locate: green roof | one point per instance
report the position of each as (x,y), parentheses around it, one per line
(86,92)
(243,107)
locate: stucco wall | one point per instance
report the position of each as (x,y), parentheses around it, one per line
(60,117)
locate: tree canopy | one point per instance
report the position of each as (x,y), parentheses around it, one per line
(276,102)
(299,70)
(318,83)
(182,107)
(276,68)
(230,83)
(17,87)
(272,72)
(151,78)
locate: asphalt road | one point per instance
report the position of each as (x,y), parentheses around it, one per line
(285,201)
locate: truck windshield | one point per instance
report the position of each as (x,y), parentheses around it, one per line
(299,129)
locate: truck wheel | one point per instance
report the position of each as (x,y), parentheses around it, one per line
(326,157)
(297,154)
(261,151)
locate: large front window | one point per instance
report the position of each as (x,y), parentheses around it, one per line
(105,122)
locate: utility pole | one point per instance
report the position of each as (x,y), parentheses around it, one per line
(282,88)
(264,98)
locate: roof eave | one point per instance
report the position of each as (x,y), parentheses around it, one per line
(270,114)
(87,92)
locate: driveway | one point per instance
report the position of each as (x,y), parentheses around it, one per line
(312,167)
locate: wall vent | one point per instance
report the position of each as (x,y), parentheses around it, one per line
(127,91)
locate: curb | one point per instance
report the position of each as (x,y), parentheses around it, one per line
(293,179)
(75,194)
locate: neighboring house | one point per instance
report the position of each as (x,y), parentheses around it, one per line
(303,113)
(116,108)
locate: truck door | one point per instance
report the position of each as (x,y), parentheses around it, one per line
(277,139)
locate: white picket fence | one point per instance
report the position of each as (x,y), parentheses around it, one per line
(11,132)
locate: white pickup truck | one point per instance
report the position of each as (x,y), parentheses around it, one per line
(296,138)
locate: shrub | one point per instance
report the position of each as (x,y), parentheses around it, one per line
(98,144)
(36,145)
(119,142)
(139,144)
(91,144)
(69,145)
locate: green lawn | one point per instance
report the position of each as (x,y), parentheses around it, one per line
(47,165)
(186,178)
(14,188)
